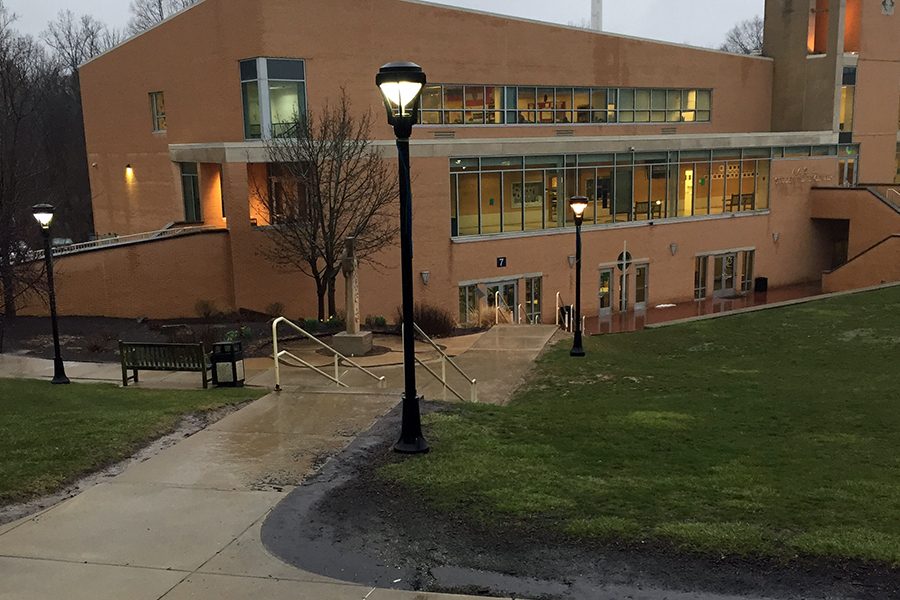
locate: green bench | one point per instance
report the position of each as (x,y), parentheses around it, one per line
(190,358)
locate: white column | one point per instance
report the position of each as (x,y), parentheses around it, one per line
(597,15)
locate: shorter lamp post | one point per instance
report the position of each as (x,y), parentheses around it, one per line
(43,214)
(578,204)
(401,85)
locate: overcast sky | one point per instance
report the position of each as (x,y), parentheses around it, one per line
(696,22)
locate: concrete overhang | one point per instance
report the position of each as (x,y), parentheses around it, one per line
(256,152)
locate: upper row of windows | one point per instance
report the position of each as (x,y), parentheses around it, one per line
(446,104)
(274,96)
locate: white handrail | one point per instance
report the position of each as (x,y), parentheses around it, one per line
(498,299)
(445,360)
(522,313)
(119,240)
(338,357)
(558,306)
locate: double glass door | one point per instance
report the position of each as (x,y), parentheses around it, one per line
(724,272)
(506,294)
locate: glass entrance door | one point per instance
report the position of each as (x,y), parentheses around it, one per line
(533,300)
(606,292)
(508,298)
(642,286)
(724,273)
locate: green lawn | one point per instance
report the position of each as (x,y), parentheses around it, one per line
(774,433)
(50,435)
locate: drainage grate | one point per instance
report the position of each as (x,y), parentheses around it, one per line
(444,135)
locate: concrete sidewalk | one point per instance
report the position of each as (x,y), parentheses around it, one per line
(186,522)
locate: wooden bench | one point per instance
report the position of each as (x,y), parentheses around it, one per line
(191,358)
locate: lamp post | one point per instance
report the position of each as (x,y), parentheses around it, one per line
(401,85)
(578,204)
(43,214)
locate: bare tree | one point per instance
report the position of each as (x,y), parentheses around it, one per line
(24,75)
(327,183)
(75,40)
(147,13)
(745,38)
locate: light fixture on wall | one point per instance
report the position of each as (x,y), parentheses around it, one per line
(572,260)
(673,248)
(776,236)
(129,172)
(426,277)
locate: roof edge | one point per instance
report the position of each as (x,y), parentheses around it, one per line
(137,35)
(584,30)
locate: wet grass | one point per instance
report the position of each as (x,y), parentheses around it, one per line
(774,434)
(52,435)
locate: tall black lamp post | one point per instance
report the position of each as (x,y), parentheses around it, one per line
(578,204)
(43,214)
(401,85)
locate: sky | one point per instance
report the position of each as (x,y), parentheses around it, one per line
(695,22)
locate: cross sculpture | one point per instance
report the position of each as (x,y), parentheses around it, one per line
(350,268)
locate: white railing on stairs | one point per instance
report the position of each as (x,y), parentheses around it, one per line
(338,357)
(446,360)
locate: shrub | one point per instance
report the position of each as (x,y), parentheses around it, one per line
(433,320)
(376,322)
(239,335)
(276,309)
(207,310)
(311,325)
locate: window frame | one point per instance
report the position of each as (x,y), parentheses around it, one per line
(264,96)
(159,122)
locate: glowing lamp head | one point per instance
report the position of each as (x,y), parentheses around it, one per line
(401,86)
(129,172)
(578,204)
(43,214)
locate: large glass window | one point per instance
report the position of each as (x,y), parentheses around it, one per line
(510,194)
(456,104)
(274,95)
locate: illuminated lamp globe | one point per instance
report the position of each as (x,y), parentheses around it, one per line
(43,214)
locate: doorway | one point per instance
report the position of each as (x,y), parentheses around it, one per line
(533,305)
(724,275)
(606,291)
(642,286)
(508,298)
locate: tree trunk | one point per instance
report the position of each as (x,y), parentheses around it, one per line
(9,295)
(332,304)
(321,290)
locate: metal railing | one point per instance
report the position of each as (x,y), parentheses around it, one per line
(338,357)
(445,360)
(566,323)
(498,299)
(119,240)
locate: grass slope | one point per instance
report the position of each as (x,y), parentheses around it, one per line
(51,435)
(774,433)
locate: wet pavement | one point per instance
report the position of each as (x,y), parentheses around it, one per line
(638,320)
(186,522)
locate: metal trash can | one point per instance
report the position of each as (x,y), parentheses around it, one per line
(228,364)
(761,285)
